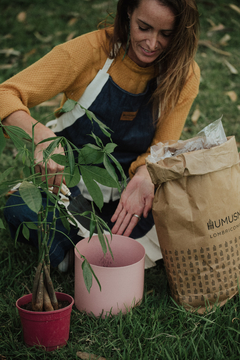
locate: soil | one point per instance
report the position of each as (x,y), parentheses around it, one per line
(61,305)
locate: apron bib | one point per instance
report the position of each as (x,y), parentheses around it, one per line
(128,115)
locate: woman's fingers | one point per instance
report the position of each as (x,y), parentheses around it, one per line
(54,171)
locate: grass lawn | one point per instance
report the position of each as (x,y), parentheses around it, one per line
(158,328)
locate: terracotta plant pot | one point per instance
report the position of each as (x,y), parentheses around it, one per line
(49,330)
(121,279)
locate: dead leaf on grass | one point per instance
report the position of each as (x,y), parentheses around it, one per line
(21,17)
(231,67)
(72,21)
(196,115)
(235,7)
(71,35)
(208,44)
(10,51)
(7,66)
(44,39)
(28,54)
(232,95)
(87,356)
(100,6)
(224,40)
(215,28)
(211,22)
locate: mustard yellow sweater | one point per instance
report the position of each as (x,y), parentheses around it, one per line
(70,67)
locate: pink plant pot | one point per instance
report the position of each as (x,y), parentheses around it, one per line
(50,329)
(121,278)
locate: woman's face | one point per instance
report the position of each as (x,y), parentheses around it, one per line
(151,27)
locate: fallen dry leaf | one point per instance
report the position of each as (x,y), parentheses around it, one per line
(232,95)
(100,6)
(235,7)
(11,51)
(87,356)
(211,22)
(208,44)
(231,67)
(224,40)
(71,35)
(7,66)
(72,21)
(21,17)
(28,54)
(43,38)
(218,27)
(195,116)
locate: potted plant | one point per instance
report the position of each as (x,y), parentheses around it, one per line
(45,303)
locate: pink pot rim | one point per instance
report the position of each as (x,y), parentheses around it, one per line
(78,256)
(28,297)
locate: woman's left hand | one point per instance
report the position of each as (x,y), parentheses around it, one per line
(136,199)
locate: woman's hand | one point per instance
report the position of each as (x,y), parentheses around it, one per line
(136,199)
(41,132)
(54,170)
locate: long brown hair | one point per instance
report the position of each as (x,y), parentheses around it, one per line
(175,61)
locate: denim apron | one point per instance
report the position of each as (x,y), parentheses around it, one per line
(130,118)
(128,115)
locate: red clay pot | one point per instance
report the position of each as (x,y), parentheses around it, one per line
(50,329)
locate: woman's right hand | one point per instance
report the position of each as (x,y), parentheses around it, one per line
(54,171)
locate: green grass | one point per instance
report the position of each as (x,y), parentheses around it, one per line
(158,328)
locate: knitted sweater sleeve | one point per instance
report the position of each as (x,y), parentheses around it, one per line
(62,70)
(170,127)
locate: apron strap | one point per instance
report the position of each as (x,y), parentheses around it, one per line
(89,96)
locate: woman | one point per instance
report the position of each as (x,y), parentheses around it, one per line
(138,76)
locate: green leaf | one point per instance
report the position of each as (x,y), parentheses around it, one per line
(26,171)
(71,180)
(98,140)
(5,173)
(31,225)
(17,233)
(59,159)
(90,155)
(120,169)
(87,275)
(31,195)
(17,132)
(25,232)
(92,225)
(51,147)
(101,239)
(92,186)
(111,171)
(69,105)
(1,224)
(100,175)
(2,140)
(109,148)
(19,144)
(70,158)
(104,128)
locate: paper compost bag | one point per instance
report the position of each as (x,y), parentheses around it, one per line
(196,210)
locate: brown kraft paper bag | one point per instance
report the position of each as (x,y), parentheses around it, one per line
(196,210)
